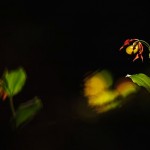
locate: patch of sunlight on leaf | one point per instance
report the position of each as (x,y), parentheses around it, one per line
(14,81)
(107,77)
(126,87)
(98,93)
(105,101)
(27,111)
(141,80)
(103,98)
(98,82)
(107,107)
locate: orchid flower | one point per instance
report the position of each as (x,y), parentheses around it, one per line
(135,46)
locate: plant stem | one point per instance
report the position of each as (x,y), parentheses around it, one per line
(12,107)
(145,43)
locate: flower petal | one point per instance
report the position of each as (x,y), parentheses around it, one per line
(140,48)
(127,42)
(141,57)
(136,57)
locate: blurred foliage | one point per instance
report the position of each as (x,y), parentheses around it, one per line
(14,81)
(27,111)
(11,84)
(100,93)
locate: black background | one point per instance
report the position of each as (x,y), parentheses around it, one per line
(58,43)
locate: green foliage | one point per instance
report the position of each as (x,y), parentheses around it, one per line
(14,81)
(11,84)
(141,80)
(27,111)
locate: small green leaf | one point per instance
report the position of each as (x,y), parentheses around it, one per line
(141,80)
(27,111)
(14,81)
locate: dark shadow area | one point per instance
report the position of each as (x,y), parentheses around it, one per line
(58,44)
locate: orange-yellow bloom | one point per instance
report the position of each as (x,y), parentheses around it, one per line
(135,46)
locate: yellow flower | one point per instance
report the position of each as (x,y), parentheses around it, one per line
(135,46)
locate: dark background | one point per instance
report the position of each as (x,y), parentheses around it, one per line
(58,43)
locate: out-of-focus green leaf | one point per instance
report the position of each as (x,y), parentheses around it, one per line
(141,80)
(27,111)
(14,81)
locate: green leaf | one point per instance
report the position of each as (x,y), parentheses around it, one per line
(14,81)
(141,80)
(27,111)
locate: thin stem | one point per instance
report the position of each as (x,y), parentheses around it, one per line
(145,43)
(12,107)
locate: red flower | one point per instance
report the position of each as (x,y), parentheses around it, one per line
(135,46)
(140,51)
(127,42)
